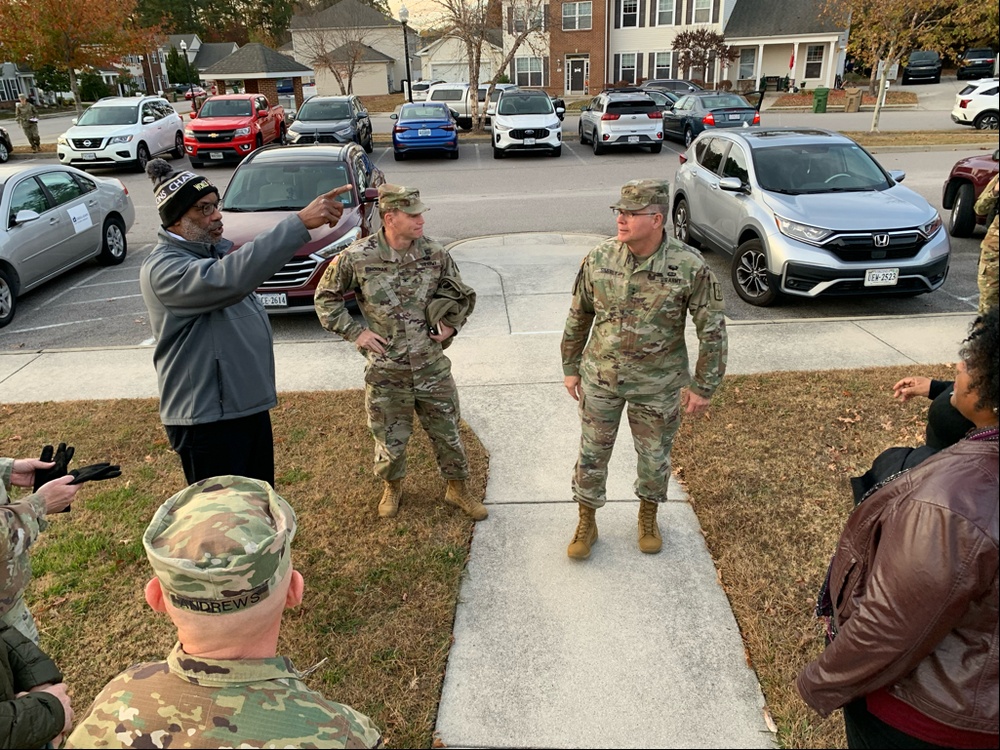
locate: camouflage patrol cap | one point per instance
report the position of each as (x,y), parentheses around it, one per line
(397,197)
(221,545)
(638,194)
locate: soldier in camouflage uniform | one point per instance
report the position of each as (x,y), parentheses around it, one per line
(631,298)
(20,524)
(396,273)
(221,554)
(27,117)
(989,250)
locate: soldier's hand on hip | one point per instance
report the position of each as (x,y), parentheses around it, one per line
(693,403)
(325,209)
(444,331)
(572,383)
(371,340)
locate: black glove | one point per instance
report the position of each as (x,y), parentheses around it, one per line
(96,472)
(63,455)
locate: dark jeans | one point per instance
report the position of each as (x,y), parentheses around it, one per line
(243,447)
(865,730)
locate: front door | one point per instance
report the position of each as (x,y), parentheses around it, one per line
(577,75)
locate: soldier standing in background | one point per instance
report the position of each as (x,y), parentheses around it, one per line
(221,557)
(989,249)
(631,298)
(396,273)
(27,117)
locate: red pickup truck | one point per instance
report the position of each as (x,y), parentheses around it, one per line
(230,126)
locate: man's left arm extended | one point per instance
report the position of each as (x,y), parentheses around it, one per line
(708,312)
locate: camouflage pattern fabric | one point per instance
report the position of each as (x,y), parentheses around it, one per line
(221,545)
(209,703)
(399,198)
(393,291)
(639,194)
(989,249)
(20,524)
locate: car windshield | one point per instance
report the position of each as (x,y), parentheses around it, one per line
(817,168)
(923,57)
(725,100)
(632,107)
(325,111)
(520,104)
(226,108)
(125,115)
(285,186)
(428,112)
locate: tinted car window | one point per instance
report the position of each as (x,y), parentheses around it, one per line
(313,110)
(736,164)
(226,108)
(525,104)
(447,95)
(110,116)
(61,186)
(426,112)
(27,196)
(252,188)
(730,100)
(632,108)
(711,157)
(923,56)
(820,168)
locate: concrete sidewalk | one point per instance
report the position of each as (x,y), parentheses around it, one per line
(625,649)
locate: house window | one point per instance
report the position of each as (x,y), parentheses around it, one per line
(702,11)
(814,61)
(528,71)
(747,59)
(627,67)
(576,16)
(661,67)
(630,13)
(665,13)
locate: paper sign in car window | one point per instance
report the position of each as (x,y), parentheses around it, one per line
(80,217)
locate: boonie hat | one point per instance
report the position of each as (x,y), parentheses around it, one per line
(221,545)
(399,198)
(175,192)
(638,194)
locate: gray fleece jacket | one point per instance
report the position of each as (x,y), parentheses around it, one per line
(214,352)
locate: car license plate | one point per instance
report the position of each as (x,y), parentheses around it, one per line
(89,156)
(216,155)
(273,299)
(529,141)
(735,117)
(633,139)
(424,132)
(881,276)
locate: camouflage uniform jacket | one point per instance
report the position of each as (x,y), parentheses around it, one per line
(196,702)
(634,310)
(20,525)
(25,113)
(393,292)
(988,198)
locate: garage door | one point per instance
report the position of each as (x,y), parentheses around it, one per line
(451,72)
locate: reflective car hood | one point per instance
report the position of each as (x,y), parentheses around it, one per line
(896,208)
(521,122)
(240,228)
(97,132)
(219,123)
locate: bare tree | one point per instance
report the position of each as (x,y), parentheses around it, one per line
(697,49)
(338,41)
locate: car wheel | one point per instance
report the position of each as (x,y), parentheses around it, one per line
(937,78)
(688,136)
(141,157)
(282,136)
(8,298)
(453,154)
(682,223)
(398,155)
(465,124)
(178,151)
(4,153)
(197,164)
(595,141)
(656,148)
(368,145)
(583,138)
(557,151)
(749,275)
(497,153)
(114,246)
(986,121)
(962,222)
(258,142)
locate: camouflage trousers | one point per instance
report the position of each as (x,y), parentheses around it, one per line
(653,421)
(31,133)
(989,269)
(392,397)
(19,617)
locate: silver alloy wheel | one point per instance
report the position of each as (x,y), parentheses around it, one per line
(114,240)
(6,298)
(750,274)
(4,153)
(681,229)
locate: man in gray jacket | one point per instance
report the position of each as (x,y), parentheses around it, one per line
(214,356)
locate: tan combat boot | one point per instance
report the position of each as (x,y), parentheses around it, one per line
(458,495)
(586,534)
(388,506)
(650,540)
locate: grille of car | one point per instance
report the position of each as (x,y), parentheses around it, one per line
(867,246)
(320,138)
(520,134)
(803,278)
(294,273)
(88,143)
(215,136)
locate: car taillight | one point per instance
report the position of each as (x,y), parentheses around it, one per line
(609,116)
(683,158)
(964,103)
(123,186)
(449,128)
(708,119)
(399,129)
(657,115)
(756,118)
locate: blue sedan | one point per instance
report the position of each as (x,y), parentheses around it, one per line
(424,126)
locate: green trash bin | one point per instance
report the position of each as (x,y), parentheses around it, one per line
(820,97)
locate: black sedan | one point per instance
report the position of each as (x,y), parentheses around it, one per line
(701,110)
(5,145)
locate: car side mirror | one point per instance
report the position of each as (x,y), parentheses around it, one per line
(491,111)
(897,175)
(148,119)
(393,116)
(731,184)
(73,121)
(262,113)
(370,196)
(26,215)
(193,114)
(996,155)
(560,111)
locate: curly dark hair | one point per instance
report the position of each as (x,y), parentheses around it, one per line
(981,354)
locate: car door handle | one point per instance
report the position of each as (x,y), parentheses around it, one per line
(53,220)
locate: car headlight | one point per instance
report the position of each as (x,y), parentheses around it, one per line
(241,131)
(339,244)
(61,140)
(188,133)
(119,139)
(803,232)
(499,126)
(931,226)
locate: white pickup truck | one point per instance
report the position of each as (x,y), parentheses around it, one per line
(458,98)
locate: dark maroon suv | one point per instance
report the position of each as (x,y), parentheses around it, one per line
(276,181)
(967,179)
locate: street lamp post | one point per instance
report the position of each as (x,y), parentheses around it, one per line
(404,16)
(187,63)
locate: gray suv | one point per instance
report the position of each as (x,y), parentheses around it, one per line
(806,213)
(332,119)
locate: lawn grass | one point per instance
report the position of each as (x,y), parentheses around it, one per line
(767,471)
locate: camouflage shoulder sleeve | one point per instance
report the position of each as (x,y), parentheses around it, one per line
(579,320)
(988,198)
(708,311)
(337,280)
(6,469)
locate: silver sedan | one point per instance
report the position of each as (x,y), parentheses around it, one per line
(55,218)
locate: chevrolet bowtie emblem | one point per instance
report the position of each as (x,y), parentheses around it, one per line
(213,135)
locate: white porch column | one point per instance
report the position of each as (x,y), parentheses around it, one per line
(831,71)
(797,63)
(759,63)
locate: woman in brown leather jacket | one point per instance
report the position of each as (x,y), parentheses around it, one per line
(913,661)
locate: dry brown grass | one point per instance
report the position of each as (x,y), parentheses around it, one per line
(768,476)
(380,596)
(838,97)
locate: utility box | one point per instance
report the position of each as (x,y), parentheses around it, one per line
(853,101)
(820,97)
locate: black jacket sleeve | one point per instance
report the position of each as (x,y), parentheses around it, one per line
(33,720)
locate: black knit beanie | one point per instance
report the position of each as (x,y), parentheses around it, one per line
(176,192)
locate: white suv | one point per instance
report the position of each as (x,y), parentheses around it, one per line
(978,104)
(119,131)
(525,121)
(622,117)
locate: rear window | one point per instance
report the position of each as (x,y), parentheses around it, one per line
(632,108)
(447,95)
(428,112)
(978,54)
(732,100)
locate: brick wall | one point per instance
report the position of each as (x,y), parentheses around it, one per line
(562,43)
